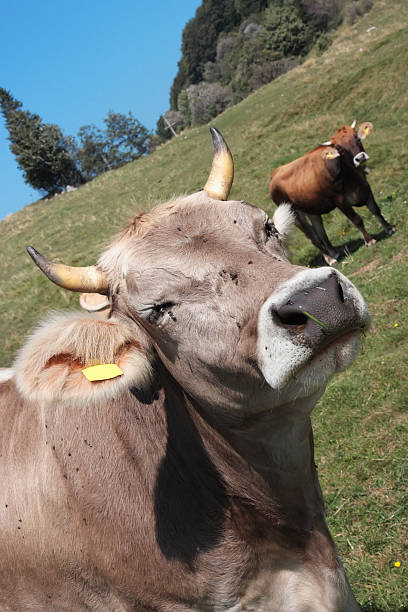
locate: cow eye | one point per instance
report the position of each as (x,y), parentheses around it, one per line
(159,310)
(270,230)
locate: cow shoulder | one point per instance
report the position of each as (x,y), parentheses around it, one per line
(51,364)
(331,159)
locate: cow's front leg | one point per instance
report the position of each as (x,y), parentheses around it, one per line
(373,207)
(330,254)
(358,222)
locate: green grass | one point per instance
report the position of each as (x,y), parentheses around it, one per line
(360,423)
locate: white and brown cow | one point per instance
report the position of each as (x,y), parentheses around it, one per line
(331,175)
(162,459)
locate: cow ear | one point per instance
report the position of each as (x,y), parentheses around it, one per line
(331,158)
(330,153)
(364,129)
(96,303)
(76,357)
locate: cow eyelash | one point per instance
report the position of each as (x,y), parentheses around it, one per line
(159,310)
(163,307)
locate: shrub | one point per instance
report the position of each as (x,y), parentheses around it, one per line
(184,107)
(205,101)
(252,29)
(323,42)
(354,10)
(212,72)
(225,45)
(325,13)
(268,71)
(246,7)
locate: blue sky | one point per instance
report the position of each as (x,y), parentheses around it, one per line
(72,62)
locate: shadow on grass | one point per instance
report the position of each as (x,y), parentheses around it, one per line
(349,247)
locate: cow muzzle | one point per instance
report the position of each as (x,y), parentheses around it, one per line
(360,159)
(318,313)
(317,316)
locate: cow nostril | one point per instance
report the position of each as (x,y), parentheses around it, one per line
(286,316)
(312,306)
(341,293)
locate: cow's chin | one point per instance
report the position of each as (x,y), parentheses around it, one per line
(300,373)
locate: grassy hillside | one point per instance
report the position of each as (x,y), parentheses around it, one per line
(361,421)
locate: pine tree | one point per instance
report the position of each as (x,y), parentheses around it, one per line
(41,151)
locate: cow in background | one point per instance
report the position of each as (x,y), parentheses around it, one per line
(333,175)
(162,459)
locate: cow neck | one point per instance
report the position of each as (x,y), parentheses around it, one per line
(272,456)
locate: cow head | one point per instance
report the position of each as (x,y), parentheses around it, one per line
(347,141)
(207,284)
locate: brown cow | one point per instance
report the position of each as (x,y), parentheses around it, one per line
(162,459)
(331,175)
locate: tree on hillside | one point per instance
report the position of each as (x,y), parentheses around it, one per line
(325,13)
(123,140)
(246,7)
(41,151)
(244,44)
(126,137)
(200,103)
(199,42)
(91,152)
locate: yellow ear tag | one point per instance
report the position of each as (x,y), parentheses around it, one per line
(103,371)
(367,130)
(330,155)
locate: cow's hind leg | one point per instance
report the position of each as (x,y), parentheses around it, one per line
(303,224)
(373,207)
(358,222)
(330,254)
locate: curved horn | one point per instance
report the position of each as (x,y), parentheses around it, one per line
(88,280)
(221,176)
(353,125)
